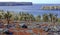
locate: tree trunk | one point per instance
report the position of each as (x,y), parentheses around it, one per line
(7,20)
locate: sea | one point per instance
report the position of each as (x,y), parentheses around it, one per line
(32,9)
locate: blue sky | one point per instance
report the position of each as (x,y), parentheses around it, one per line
(34,1)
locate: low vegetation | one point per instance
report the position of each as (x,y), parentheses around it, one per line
(24,16)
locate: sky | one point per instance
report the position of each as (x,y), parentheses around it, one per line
(34,1)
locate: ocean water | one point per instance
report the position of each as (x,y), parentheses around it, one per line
(32,9)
